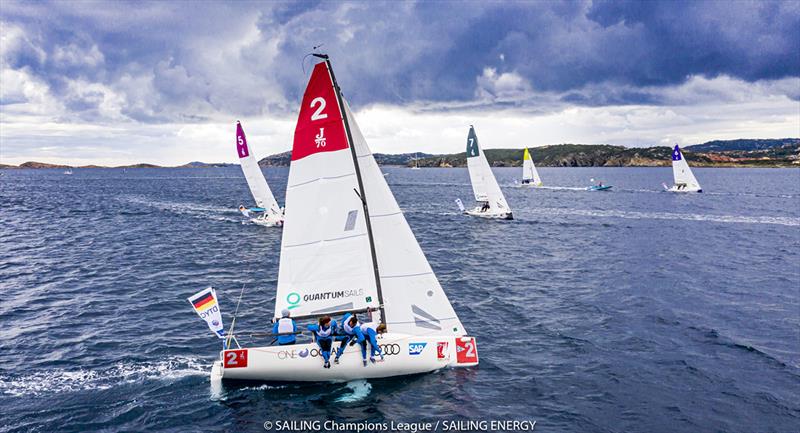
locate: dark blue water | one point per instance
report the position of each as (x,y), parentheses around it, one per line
(629,310)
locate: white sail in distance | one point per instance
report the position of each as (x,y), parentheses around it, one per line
(484,184)
(529,172)
(681,172)
(252,173)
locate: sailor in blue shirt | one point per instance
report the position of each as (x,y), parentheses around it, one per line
(323,334)
(350,331)
(370,332)
(285,328)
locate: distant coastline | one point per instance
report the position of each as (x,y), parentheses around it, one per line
(767,153)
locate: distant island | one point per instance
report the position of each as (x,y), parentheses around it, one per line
(782,152)
(194,164)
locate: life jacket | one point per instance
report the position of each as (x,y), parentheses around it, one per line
(324,333)
(349,330)
(285,326)
(370,325)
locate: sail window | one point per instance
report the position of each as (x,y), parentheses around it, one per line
(351,220)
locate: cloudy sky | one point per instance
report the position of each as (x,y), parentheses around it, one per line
(164,82)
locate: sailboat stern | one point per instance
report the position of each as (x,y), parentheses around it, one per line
(402,355)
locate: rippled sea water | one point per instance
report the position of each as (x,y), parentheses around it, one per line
(628,310)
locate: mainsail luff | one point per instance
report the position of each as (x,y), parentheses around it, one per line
(362,193)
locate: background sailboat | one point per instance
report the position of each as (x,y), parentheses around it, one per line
(347,247)
(416,162)
(491,202)
(684,178)
(267,208)
(530,176)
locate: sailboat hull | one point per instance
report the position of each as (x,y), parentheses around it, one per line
(490,214)
(269,220)
(403,355)
(680,190)
(530,185)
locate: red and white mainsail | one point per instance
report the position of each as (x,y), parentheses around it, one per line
(331,261)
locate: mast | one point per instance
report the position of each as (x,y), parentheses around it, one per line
(360,192)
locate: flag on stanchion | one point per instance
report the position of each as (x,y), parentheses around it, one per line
(205,304)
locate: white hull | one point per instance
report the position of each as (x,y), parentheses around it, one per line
(675,188)
(403,355)
(268,220)
(489,214)
(530,185)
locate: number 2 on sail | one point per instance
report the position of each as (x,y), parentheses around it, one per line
(318,115)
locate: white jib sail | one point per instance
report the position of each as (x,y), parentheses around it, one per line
(529,171)
(252,173)
(681,171)
(414,301)
(484,184)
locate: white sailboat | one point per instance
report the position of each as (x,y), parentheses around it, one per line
(416,162)
(268,212)
(491,202)
(530,176)
(684,178)
(347,247)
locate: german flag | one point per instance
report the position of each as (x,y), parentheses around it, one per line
(203,303)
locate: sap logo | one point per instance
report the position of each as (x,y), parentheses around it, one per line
(416,348)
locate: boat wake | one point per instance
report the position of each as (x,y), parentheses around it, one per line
(738,219)
(360,389)
(193,209)
(63,381)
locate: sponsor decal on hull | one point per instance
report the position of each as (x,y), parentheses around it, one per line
(442,352)
(386,349)
(416,348)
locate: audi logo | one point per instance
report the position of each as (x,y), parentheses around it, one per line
(390,349)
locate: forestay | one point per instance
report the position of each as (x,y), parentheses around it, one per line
(681,171)
(252,173)
(529,169)
(484,184)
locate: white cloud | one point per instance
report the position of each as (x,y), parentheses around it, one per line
(73,55)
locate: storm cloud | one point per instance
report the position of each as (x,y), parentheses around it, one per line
(155,63)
